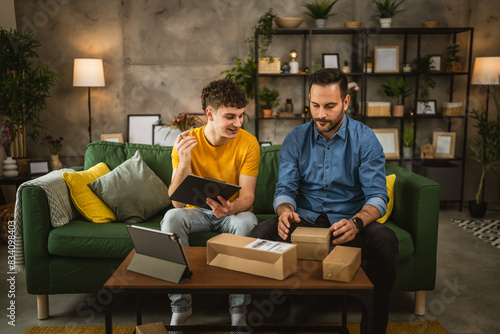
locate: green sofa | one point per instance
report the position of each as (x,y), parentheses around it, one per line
(80,256)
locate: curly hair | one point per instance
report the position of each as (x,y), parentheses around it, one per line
(329,76)
(223,93)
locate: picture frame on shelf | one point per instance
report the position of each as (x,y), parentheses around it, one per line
(39,167)
(436,63)
(389,139)
(386,59)
(265,143)
(425,107)
(140,128)
(112,137)
(444,145)
(331,60)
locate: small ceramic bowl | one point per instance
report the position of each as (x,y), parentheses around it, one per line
(288,22)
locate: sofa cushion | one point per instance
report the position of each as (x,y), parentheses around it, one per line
(406,246)
(86,202)
(391,180)
(78,239)
(132,190)
(266,180)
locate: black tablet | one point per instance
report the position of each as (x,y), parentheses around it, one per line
(195,190)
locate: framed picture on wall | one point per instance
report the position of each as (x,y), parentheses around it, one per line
(436,62)
(39,167)
(386,59)
(389,139)
(444,145)
(330,60)
(113,137)
(140,128)
(426,107)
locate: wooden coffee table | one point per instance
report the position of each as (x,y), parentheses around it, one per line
(213,280)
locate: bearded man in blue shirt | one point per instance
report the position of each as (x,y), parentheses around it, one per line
(332,175)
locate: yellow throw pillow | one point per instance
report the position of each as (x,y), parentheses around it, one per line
(390,179)
(84,199)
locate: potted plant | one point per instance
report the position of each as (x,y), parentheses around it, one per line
(486,151)
(453,63)
(24,88)
(268,99)
(397,90)
(408,141)
(346,68)
(425,75)
(386,10)
(320,11)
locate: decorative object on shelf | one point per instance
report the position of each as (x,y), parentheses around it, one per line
(113,137)
(397,90)
(378,109)
(352,88)
(436,61)
(368,65)
(346,68)
(10,167)
(294,64)
(426,81)
(88,73)
(386,11)
(306,112)
(352,24)
(289,106)
(453,63)
(39,167)
(452,109)
(389,139)
(485,149)
(288,22)
(427,151)
(320,11)
(426,107)
(6,137)
(270,65)
(55,163)
(24,87)
(408,133)
(386,59)
(55,146)
(330,60)
(444,145)
(406,68)
(185,121)
(430,24)
(285,68)
(268,100)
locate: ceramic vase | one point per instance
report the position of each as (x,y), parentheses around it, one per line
(10,168)
(55,163)
(320,23)
(407,152)
(385,22)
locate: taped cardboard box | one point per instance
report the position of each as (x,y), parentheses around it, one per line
(259,257)
(312,243)
(342,263)
(154,328)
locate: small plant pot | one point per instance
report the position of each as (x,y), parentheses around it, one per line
(477,210)
(346,69)
(267,113)
(320,23)
(407,152)
(386,22)
(398,110)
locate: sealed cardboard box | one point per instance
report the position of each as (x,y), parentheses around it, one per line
(271,259)
(312,243)
(342,263)
(154,328)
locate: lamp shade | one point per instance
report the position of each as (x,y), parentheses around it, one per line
(88,73)
(486,71)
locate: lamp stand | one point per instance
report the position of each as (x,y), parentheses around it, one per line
(90,120)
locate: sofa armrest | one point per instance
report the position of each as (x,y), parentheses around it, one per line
(416,210)
(36,228)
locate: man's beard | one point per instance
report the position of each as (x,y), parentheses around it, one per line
(330,124)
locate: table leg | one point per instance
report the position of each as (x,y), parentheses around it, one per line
(108,319)
(344,314)
(138,305)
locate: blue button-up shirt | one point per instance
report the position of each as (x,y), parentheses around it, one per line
(337,177)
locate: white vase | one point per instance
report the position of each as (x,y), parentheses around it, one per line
(385,22)
(10,168)
(320,23)
(55,163)
(407,152)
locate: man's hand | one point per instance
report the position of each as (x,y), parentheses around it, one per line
(184,144)
(221,209)
(345,230)
(284,223)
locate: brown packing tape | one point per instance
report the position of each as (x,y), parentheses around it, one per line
(154,328)
(342,263)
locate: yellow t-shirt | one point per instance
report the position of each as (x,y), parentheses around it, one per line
(240,155)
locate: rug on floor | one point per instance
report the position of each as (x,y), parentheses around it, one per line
(485,229)
(420,327)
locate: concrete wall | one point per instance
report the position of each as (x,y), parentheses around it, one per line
(158,55)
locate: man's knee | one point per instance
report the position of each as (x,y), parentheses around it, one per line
(171,219)
(383,238)
(263,230)
(244,223)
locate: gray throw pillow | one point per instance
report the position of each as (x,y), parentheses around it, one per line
(132,190)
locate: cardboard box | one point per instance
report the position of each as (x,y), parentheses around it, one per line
(259,257)
(342,263)
(154,328)
(378,109)
(267,67)
(312,243)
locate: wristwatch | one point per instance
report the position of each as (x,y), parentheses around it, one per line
(358,222)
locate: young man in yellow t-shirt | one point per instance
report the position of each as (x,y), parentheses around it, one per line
(223,151)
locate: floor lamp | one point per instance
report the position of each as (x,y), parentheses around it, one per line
(88,73)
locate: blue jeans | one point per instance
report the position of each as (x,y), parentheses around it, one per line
(185,221)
